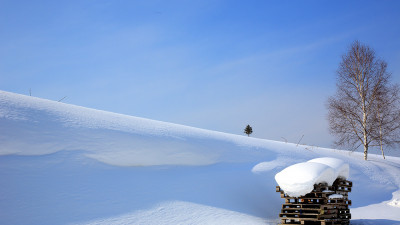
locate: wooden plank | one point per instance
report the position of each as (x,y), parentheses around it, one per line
(290,221)
(301,211)
(306,206)
(299,214)
(344,189)
(308,216)
(338,202)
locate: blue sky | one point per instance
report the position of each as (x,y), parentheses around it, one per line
(216,65)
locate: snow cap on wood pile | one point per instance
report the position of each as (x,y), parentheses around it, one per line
(299,179)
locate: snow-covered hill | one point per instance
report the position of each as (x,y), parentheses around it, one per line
(65,164)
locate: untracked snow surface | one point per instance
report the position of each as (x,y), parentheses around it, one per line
(65,164)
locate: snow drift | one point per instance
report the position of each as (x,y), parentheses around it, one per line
(65,164)
(44,127)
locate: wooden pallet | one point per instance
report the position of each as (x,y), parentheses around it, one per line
(317,207)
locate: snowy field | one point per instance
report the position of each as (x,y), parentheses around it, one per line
(65,164)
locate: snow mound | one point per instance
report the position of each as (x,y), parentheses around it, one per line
(178,212)
(395,202)
(34,126)
(299,179)
(335,196)
(265,167)
(341,168)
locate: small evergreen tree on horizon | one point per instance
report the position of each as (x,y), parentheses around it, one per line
(248,130)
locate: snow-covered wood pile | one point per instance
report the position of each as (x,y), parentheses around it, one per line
(315,192)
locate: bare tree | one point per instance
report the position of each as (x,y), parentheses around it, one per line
(363,110)
(387,118)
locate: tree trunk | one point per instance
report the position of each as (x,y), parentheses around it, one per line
(383,154)
(365,131)
(365,151)
(380,134)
